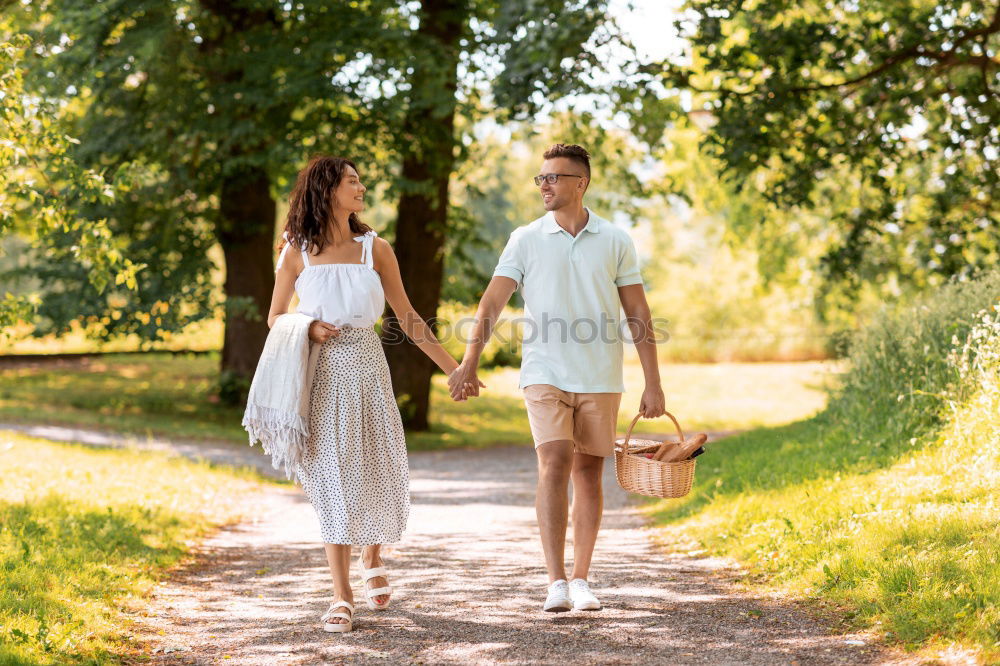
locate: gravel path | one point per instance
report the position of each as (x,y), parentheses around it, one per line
(469,586)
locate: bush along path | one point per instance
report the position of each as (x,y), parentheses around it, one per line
(885,504)
(469,586)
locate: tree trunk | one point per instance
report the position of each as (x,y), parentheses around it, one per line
(246,232)
(246,209)
(421,264)
(428,149)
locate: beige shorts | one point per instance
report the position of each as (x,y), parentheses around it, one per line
(589,420)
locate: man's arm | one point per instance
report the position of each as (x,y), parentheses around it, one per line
(498,293)
(640,323)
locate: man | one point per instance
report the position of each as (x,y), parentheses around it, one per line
(577,272)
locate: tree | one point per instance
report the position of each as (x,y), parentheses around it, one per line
(427,153)
(216,101)
(221,101)
(41,187)
(891,106)
(524,53)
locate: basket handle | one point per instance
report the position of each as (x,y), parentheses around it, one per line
(680,433)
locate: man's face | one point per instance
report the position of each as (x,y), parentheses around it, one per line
(567,189)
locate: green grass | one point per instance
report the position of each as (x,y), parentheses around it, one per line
(884,504)
(167,395)
(907,539)
(155,393)
(86,533)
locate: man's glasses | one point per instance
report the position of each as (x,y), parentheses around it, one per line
(553,178)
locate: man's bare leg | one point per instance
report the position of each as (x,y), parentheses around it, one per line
(588,506)
(555,464)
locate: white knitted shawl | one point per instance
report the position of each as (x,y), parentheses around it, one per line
(277,413)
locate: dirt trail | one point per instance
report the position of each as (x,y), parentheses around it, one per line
(469,586)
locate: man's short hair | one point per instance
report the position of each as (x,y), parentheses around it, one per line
(571,151)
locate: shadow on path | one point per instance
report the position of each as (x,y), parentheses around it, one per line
(469,586)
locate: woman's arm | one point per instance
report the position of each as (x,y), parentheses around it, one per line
(284,287)
(413,326)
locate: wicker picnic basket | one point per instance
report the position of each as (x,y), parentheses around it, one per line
(656,478)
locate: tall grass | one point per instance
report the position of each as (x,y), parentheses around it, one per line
(900,374)
(885,503)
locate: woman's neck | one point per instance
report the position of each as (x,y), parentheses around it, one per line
(338,229)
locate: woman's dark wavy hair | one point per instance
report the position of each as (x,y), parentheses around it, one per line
(309,203)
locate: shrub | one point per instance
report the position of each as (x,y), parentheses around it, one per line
(899,374)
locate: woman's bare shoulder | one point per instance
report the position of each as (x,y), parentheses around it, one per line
(292,261)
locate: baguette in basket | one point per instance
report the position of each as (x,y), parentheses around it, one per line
(671,475)
(676,451)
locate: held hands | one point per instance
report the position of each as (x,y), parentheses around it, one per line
(463,382)
(653,402)
(320,331)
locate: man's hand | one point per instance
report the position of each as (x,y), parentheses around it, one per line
(320,331)
(463,382)
(652,403)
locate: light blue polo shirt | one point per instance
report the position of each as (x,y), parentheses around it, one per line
(573,329)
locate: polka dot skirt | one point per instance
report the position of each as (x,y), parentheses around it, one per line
(354,470)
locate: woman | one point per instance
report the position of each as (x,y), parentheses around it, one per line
(354,470)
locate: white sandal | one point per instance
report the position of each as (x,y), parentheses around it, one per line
(338,627)
(367,575)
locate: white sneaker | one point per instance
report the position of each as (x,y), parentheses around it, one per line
(558,599)
(583,598)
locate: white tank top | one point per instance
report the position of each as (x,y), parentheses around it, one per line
(340,294)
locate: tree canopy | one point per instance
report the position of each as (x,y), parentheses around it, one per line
(217,103)
(885,114)
(42,189)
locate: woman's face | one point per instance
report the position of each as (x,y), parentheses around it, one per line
(350,194)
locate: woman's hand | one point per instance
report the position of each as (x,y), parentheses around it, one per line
(464,383)
(320,331)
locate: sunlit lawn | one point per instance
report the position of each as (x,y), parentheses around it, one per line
(163,394)
(149,394)
(86,532)
(905,535)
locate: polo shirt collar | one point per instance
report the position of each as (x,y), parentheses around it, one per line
(550,226)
